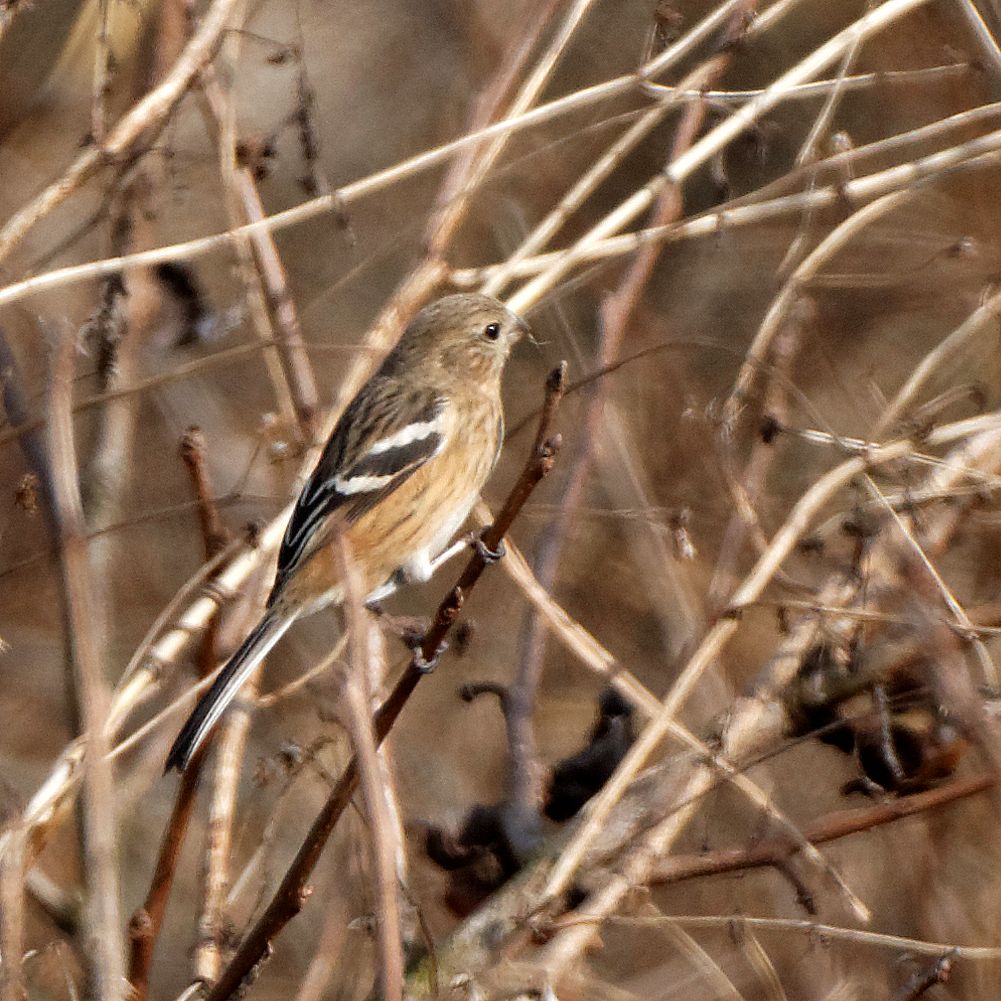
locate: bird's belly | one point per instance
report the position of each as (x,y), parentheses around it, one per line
(438,542)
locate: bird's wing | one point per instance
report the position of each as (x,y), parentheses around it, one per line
(382,439)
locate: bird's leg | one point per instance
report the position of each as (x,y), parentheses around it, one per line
(376,597)
(420,569)
(445,555)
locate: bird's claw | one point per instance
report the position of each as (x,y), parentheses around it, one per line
(427,665)
(487,554)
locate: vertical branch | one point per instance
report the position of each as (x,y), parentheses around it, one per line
(223,122)
(230,743)
(12,872)
(89,694)
(292,349)
(383,848)
(102,76)
(147,921)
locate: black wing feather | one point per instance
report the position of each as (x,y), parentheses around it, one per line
(379,411)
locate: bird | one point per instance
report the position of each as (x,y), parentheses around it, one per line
(398,476)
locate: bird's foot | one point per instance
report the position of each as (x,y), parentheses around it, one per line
(487,554)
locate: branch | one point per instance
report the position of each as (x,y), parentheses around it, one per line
(840,824)
(12,872)
(147,920)
(366,750)
(272,307)
(89,693)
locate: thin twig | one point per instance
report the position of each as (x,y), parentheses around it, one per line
(921,981)
(831,827)
(473,164)
(271,307)
(230,743)
(815,930)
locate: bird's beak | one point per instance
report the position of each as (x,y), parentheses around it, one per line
(522,329)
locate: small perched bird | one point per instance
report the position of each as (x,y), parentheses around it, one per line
(399,475)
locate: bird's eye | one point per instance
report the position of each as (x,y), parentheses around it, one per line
(491,331)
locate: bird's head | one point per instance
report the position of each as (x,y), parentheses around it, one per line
(465,336)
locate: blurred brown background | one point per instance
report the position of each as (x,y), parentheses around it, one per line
(385,79)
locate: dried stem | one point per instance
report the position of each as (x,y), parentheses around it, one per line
(919,982)
(383,851)
(230,743)
(12,872)
(90,697)
(271,305)
(815,929)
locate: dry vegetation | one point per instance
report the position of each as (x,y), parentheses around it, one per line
(748,609)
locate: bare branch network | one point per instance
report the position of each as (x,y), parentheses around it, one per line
(742,637)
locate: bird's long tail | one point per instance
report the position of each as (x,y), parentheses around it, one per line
(213,703)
